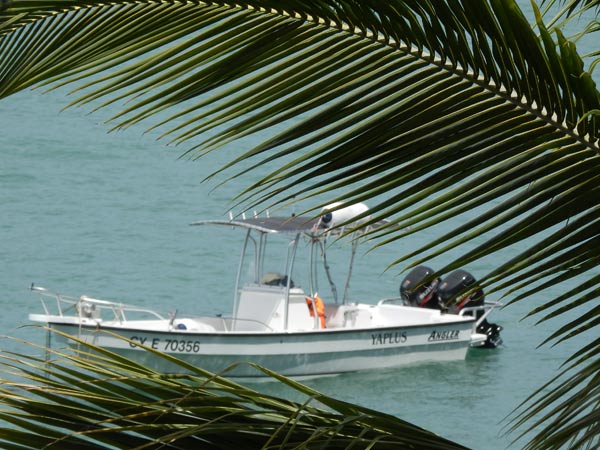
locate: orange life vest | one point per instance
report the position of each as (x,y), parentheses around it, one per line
(320,308)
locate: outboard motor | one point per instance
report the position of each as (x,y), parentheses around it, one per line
(450,288)
(415,293)
(449,297)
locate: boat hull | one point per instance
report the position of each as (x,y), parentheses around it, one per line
(295,354)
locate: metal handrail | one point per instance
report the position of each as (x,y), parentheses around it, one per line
(487,307)
(118,309)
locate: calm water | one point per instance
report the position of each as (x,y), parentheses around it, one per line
(86,212)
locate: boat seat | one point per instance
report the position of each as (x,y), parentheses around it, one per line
(298,314)
(261,308)
(256,306)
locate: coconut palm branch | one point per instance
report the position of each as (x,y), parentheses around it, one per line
(99,400)
(428,109)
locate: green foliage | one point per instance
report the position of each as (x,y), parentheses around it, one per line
(428,108)
(98,400)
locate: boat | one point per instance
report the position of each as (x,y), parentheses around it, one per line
(279,319)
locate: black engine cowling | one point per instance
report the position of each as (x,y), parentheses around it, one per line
(450,294)
(415,293)
(450,288)
(450,297)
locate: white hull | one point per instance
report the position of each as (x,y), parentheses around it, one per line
(293,354)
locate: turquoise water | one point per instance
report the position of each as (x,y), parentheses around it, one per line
(87,212)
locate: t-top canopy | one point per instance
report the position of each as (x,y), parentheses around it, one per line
(282,225)
(333,219)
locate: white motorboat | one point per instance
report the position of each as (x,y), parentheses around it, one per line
(279,320)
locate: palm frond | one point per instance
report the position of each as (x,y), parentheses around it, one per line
(429,108)
(96,399)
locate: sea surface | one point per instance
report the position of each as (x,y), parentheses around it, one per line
(84,211)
